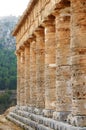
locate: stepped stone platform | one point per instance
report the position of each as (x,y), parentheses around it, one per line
(51,66)
(28,119)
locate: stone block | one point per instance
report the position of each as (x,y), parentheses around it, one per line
(48,113)
(37,111)
(78,121)
(60,116)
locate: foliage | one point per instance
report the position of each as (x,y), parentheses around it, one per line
(7,63)
(6,100)
(7,69)
(7,56)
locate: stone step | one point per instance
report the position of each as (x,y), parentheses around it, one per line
(39,119)
(48,122)
(38,122)
(34,125)
(24,120)
(18,123)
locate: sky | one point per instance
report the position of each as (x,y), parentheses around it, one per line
(12,7)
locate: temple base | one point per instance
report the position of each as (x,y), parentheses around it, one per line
(48,113)
(60,116)
(23,117)
(78,121)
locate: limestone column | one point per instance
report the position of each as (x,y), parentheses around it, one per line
(63,73)
(33,95)
(40,67)
(18,78)
(22,78)
(78,61)
(50,60)
(27,74)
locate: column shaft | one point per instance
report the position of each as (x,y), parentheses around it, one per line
(50,60)
(63,82)
(33,95)
(78,60)
(40,67)
(18,79)
(27,74)
(22,79)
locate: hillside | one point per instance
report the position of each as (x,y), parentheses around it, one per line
(7,63)
(7,56)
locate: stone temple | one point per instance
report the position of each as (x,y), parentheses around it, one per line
(51,66)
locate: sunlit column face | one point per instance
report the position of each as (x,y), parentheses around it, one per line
(63,82)
(27,74)
(78,45)
(50,61)
(40,61)
(33,93)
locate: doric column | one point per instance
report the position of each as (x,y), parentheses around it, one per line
(78,61)
(18,78)
(50,60)
(32,72)
(39,33)
(63,74)
(22,78)
(27,74)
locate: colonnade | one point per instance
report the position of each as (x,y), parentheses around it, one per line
(51,66)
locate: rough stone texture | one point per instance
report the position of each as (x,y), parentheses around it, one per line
(27,75)
(50,58)
(32,121)
(40,62)
(52,72)
(78,61)
(63,79)
(22,89)
(18,78)
(33,92)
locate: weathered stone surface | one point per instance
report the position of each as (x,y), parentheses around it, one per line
(51,60)
(40,62)
(27,74)
(30,120)
(63,82)
(18,78)
(48,113)
(61,116)
(33,92)
(78,62)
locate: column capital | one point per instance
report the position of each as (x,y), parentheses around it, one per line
(21,49)
(17,52)
(39,31)
(31,38)
(61,4)
(62,13)
(26,44)
(49,21)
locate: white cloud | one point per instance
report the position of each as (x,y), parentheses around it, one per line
(12,7)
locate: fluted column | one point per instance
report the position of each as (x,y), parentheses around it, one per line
(27,74)
(50,60)
(22,100)
(63,73)
(18,78)
(33,95)
(78,61)
(40,67)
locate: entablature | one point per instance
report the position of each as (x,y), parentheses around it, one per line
(34,15)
